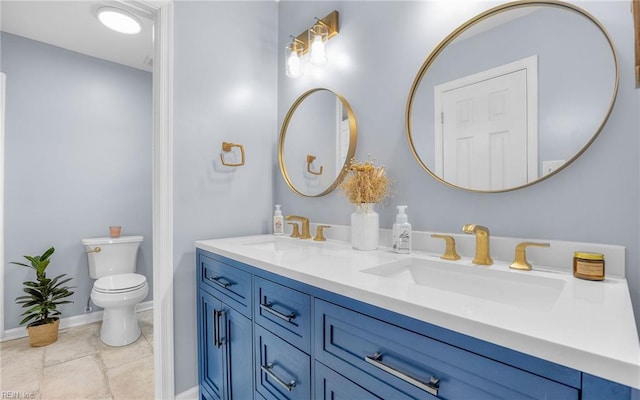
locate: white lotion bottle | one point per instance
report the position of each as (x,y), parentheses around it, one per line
(278,221)
(402,232)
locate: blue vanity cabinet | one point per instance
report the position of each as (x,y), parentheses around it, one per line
(267,337)
(225,334)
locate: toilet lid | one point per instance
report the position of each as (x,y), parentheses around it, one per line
(120,283)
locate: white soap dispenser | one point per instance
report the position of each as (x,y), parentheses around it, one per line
(278,221)
(402,232)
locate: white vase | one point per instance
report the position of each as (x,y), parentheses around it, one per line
(364,227)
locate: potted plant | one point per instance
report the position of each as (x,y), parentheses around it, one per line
(43,296)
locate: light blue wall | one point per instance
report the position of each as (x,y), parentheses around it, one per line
(225,90)
(373,62)
(78,159)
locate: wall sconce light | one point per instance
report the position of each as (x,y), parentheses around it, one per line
(293,58)
(318,36)
(311,41)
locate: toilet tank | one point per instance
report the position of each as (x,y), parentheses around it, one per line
(112,256)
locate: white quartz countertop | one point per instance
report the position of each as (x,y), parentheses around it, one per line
(589,326)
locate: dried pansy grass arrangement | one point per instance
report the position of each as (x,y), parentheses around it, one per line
(365,183)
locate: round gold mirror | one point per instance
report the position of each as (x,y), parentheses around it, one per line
(317,142)
(512,96)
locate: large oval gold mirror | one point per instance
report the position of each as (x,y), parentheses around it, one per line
(317,142)
(512,96)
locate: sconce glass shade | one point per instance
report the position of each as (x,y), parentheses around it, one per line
(318,36)
(293,60)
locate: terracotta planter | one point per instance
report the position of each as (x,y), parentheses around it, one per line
(42,335)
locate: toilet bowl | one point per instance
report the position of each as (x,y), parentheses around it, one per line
(118,295)
(117,289)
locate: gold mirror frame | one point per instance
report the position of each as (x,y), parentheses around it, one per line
(470,23)
(353,139)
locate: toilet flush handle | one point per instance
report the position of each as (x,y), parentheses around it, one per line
(95,250)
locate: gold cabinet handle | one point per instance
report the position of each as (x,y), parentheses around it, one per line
(311,159)
(94,250)
(450,249)
(227,147)
(520,261)
(320,233)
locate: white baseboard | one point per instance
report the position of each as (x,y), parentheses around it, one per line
(76,320)
(189,394)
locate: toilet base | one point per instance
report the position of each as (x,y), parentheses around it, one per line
(119,320)
(119,326)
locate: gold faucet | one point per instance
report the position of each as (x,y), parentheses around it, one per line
(450,247)
(295,231)
(320,233)
(305,225)
(520,261)
(483,256)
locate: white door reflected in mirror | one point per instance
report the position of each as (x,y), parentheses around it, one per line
(484,138)
(575,76)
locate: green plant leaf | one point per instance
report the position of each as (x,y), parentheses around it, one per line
(28,319)
(21,264)
(35,293)
(47,253)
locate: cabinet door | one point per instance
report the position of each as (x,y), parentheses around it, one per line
(238,337)
(211,365)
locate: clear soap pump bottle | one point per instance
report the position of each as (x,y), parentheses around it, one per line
(278,221)
(402,232)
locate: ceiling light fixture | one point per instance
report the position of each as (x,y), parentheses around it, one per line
(119,20)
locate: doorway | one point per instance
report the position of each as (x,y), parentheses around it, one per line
(161,12)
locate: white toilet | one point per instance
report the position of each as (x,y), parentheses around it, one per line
(112,261)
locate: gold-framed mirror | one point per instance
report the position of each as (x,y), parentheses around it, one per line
(317,142)
(512,96)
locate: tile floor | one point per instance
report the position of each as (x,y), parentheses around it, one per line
(79,366)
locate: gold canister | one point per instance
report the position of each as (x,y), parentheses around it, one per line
(588,265)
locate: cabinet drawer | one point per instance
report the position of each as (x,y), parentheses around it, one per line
(358,346)
(283,311)
(231,285)
(330,385)
(282,371)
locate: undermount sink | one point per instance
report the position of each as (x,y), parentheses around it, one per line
(278,244)
(503,286)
